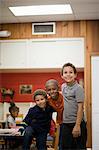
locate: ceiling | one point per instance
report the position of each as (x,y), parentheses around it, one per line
(82,10)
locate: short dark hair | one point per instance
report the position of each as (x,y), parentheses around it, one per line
(39,92)
(66,65)
(52,81)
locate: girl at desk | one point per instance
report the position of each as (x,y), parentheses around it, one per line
(13,110)
(11,124)
(11,120)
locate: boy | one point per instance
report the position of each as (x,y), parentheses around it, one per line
(55,99)
(74,132)
(38,120)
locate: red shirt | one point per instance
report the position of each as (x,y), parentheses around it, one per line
(58,105)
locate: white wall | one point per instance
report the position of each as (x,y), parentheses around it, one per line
(95,102)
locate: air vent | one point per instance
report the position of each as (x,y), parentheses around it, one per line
(43,28)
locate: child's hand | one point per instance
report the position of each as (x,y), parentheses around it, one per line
(15,132)
(76,131)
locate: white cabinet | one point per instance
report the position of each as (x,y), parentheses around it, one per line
(53,53)
(13,54)
(41,53)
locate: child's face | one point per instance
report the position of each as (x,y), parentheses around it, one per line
(15,113)
(52,90)
(40,101)
(68,74)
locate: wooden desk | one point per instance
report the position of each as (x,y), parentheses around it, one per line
(8,140)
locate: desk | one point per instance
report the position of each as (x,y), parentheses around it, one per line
(9,140)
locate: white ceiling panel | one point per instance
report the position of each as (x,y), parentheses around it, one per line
(83,10)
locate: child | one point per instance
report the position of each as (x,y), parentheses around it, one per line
(14,142)
(56,101)
(74,132)
(11,122)
(38,120)
(13,110)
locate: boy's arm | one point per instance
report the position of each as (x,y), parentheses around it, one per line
(27,120)
(76,130)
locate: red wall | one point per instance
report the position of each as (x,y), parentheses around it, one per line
(37,80)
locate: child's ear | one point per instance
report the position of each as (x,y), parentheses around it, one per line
(76,75)
(62,77)
(45,89)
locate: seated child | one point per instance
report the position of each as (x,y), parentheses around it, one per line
(38,120)
(11,124)
(13,110)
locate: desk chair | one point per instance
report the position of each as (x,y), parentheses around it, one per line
(2,143)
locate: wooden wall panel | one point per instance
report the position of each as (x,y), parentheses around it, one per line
(83,28)
(87,29)
(24,30)
(93,36)
(70,29)
(76,29)
(88,105)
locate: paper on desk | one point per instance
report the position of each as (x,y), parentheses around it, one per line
(4,131)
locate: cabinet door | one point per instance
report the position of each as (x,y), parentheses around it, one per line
(13,54)
(53,53)
(42,53)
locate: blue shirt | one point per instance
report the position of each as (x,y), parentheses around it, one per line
(38,118)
